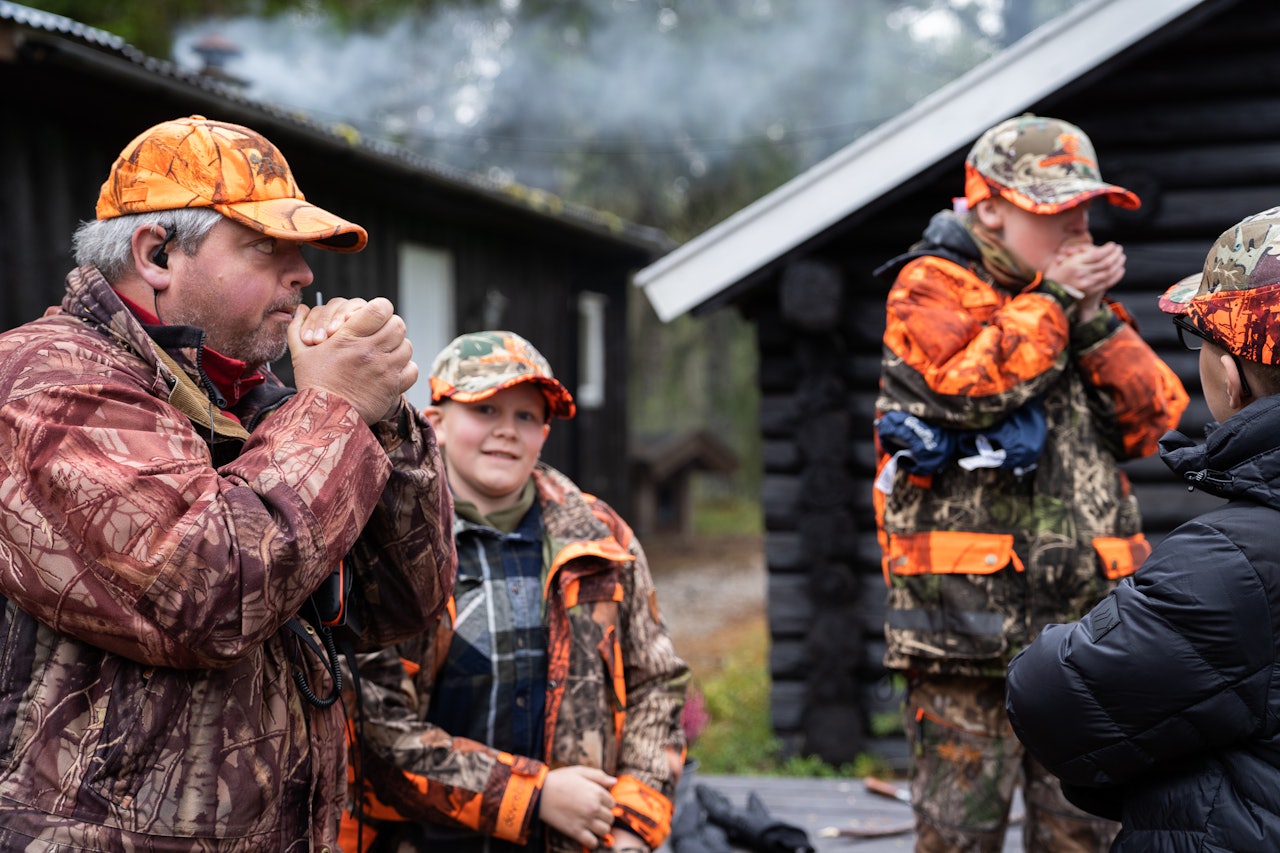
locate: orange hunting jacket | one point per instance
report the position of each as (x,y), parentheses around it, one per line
(978,561)
(615,691)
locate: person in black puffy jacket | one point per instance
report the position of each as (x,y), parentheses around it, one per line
(1161,707)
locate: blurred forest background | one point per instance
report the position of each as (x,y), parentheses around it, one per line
(670,113)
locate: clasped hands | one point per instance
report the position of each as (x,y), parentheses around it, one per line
(356,349)
(1087,272)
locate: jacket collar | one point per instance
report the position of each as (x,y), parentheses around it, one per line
(91,298)
(1239,458)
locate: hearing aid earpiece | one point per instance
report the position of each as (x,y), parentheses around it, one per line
(160,257)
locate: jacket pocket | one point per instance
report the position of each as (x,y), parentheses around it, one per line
(947,552)
(1120,556)
(952,595)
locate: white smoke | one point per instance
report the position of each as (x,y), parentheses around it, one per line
(520,89)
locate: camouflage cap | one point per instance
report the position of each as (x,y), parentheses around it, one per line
(1235,299)
(1043,165)
(196,162)
(478,365)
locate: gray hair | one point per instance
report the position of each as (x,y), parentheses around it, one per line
(108,243)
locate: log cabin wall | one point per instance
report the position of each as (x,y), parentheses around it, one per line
(1189,119)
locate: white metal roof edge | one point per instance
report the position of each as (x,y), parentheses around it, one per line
(887,156)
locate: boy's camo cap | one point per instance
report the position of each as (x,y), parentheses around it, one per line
(1235,299)
(1042,165)
(478,365)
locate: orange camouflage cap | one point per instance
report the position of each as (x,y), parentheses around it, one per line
(1235,299)
(477,365)
(1042,165)
(198,162)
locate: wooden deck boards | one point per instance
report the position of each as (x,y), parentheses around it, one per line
(815,804)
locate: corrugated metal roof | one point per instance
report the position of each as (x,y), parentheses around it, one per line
(510,194)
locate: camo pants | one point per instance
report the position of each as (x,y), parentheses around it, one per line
(966,763)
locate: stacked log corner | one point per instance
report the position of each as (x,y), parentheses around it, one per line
(826,609)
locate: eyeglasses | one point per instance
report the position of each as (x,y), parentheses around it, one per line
(1193,337)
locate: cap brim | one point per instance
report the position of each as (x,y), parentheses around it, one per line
(1065,197)
(297,220)
(1176,299)
(559,400)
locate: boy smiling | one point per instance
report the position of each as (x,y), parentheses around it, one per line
(544,712)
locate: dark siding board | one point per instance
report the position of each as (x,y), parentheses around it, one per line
(780,457)
(20,198)
(791,610)
(789,657)
(782,551)
(786,704)
(1211,211)
(1202,166)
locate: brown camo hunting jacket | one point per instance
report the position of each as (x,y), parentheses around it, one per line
(614,698)
(977,562)
(146,697)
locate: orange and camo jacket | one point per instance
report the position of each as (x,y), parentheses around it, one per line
(977,561)
(615,692)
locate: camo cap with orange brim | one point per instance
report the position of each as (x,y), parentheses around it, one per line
(197,162)
(1235,299)
(1042,165)
(477,365)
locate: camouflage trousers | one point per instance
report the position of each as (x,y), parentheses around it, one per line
(966,763)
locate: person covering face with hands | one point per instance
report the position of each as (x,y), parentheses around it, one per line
(1001,335)
(168,508)
(543,713)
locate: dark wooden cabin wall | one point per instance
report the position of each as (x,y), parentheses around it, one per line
(62,128)
(1193,125)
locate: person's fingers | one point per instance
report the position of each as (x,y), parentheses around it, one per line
(368,319)
(294,332)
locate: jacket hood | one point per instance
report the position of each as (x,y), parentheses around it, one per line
(1239,458)
(945,236)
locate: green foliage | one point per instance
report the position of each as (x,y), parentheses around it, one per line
(150,26)
(739,740)
(725,515)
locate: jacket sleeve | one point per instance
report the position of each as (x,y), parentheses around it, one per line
(416,771)
(1135,392)
(404,561)
(1174,663)
(653,743)
(960,354)
(119,530)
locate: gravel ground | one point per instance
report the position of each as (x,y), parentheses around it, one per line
(710,591)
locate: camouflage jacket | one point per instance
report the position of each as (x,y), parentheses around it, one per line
(615,691)
(978,561)
(153,550)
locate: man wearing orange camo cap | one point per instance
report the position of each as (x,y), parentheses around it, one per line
(1159,707)
(1012,387)
(170,513)
(543,713)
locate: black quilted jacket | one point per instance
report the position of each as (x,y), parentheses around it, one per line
(1161,707)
